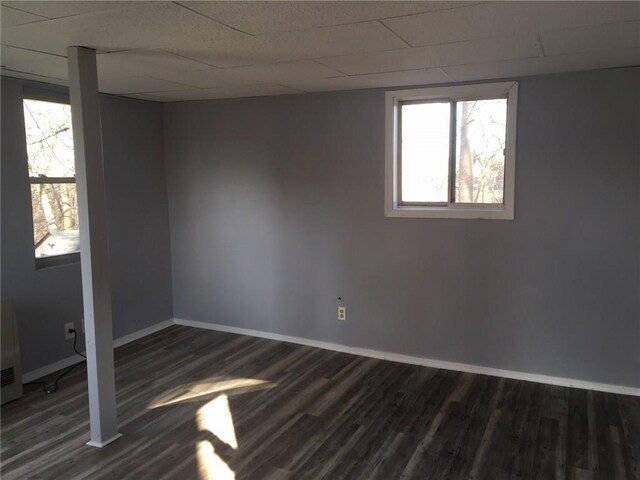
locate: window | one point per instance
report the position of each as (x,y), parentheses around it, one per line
(450,152)
(52,176)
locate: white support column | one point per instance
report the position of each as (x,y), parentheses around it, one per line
(94,250)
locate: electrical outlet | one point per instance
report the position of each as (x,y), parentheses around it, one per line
(67,334)
(342,313)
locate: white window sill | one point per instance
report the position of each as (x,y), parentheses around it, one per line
(57,260)
(489,213)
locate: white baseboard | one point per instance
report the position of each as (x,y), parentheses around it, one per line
(413,360)
(67,362)
(47,369)
(365,352)
(118,342)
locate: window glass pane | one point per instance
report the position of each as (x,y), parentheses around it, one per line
(425,152)
(55,219)
(480,142)
(49,139)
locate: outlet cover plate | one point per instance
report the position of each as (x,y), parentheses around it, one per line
(67,334)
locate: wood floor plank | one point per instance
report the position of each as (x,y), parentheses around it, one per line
(196,404)
(629,410)
(578,435)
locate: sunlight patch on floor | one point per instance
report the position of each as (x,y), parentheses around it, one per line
(198,391)
(210,465)
(215,417)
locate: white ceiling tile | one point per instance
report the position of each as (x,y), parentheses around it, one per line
(36,78)
(592,39)
(390,79)
(290,46)
(59,9)
(177,53)
(493,49)
(34,62)
(152,25)
(377,62)
(270,17)
(154,63)
(150,97)
(139,84)
(11,17)
(507,18)
(484,50)
(543,65)
(253,75)
(227,92)
(204,78)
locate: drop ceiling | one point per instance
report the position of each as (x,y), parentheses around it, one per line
(174,51)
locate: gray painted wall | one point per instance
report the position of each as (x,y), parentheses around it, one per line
(276,209)
(138,231)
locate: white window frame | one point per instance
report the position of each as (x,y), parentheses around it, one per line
(53,95)
(393,207)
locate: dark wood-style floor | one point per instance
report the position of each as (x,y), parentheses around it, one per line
(197,404)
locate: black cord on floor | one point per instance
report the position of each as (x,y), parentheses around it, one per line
(54,387)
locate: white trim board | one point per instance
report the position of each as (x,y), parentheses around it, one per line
(67,362)
(423,361)
(365,352)
(118,342)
